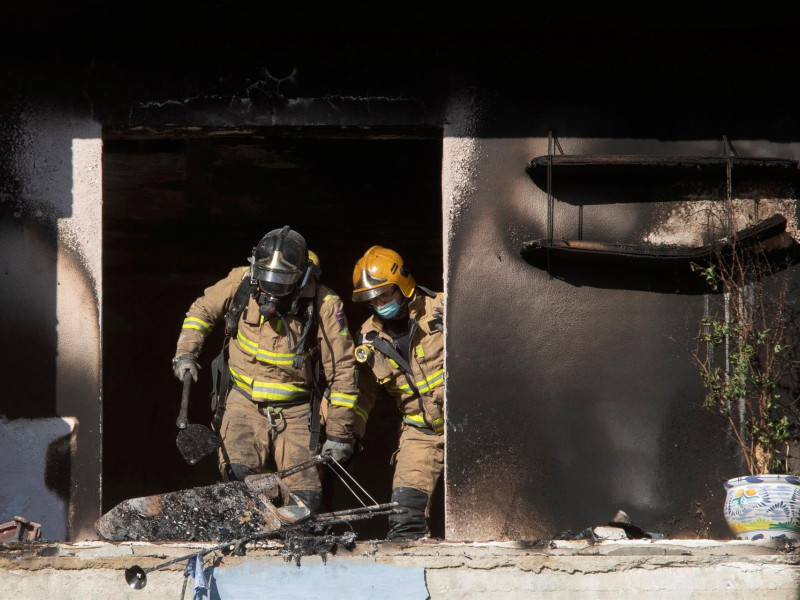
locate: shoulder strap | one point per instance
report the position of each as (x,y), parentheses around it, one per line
(426,291)
(389,350)
(221,377)
(310,333)
(240,300)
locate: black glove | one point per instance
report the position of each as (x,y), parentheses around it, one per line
(340,449)
(183,363)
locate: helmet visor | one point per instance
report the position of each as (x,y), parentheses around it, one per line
(274,281)
(368,287)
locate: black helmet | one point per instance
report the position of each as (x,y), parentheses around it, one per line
(279,261)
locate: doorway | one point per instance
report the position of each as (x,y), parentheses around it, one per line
(180,210)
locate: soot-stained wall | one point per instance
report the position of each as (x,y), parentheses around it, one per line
(50,324)
(567,397)
(583,386)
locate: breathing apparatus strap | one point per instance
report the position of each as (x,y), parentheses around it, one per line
(314,425)
(426,291)
(220,374)
(389,350)
(221,382)
(240,300)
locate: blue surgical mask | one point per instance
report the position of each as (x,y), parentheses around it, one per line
(389,310)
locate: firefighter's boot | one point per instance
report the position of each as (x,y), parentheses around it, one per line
(411,525)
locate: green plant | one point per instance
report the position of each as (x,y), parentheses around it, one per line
(747,354)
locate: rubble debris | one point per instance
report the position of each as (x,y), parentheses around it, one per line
(20,530)
(297,544)
(302,543)
(620,527)
(623,521)
(219,512)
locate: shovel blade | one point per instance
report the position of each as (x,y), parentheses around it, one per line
(195,442)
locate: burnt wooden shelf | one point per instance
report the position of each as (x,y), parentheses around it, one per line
(542,253)
(600,179)
(633,160)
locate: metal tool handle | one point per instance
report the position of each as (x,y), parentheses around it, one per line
(182,421)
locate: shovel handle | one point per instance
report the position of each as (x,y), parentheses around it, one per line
(182,421)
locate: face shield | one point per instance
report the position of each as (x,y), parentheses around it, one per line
(275,276)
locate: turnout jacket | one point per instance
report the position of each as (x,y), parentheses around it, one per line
(261,352)
(420,400)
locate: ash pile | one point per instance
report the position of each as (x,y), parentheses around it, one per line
(259,507)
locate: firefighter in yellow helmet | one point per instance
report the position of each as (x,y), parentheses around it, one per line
(283,326)
(401,346)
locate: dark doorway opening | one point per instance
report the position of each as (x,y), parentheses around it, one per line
(181,210)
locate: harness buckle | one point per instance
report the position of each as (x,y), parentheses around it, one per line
(271,412)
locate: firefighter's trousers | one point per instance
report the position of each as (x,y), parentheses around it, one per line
(419,462)
(253,436)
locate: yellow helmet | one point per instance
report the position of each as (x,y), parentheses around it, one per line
(377,269)
(312,256)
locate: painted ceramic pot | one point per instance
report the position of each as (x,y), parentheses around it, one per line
(763,506)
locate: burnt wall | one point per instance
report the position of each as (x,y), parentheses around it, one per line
(580,398)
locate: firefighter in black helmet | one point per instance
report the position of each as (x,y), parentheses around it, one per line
(280,320)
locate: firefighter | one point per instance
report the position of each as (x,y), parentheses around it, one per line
(402,344)
(285,333)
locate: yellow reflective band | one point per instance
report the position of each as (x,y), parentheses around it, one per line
(394,364)
(425,385)
(431,381)
(329,297)
(361,412)
(263,390)
(198,324)
(265,356)
(279,325)
(339,399)
(420,352)
(418,421)
(248,346)
(344,331)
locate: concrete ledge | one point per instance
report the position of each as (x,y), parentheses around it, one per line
(662,569)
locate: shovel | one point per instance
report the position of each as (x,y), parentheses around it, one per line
(194,441)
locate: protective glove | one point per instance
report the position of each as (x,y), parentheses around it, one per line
(183,363)
(340,449)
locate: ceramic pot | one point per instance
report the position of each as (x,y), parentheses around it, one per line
(759,507)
